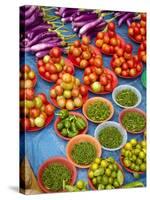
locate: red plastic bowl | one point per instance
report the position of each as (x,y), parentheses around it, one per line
(91,184)
(122,45)
(128,77)
(53,100)
(128,169)
(50,161)
(71,57)
(67,62)
(114,84)
(81,132)
(123,112)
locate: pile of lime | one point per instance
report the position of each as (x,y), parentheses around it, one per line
(105,174)
(133,155)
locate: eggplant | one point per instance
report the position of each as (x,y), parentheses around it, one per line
(90,26)
(41,54)
(68,13)
(27,14)
(125,17)
(66,19)
(82,23)
(61,10)
(50,40)
(85,17)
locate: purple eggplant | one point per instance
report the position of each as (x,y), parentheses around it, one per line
(125,17)
(90,26)
(49,40)
(41,54)
(66,19)
(68,13)
(61,10)
(82,23)
(42,36)
(85,17)
(27,14)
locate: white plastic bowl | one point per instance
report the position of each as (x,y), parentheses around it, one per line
(116,125)
(123,87)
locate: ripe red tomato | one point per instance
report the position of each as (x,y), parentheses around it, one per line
(87,71)
(40,63)
(103,80)
(124,66)
(136,30)
(86,80)
(111,33)
(128,48)
(109,77)
(53,77)
(47,75)
(58,90)
(139,68)
(76,43)
(78,60)
(85,40)
(131,31)
(106,39)
(42,70)
(132,72)
(111,26)
(100,35)
(93,77)
(83,90)
(43,97)
(69,70)
(98,70)
(55,52)
(29,93)
(59,81)
(52,69)
(83,63)
(25,124)
(34,112)
(130,64)
(76,52)
(49,109)
(108,87)
(98,62)
(86,55)
(91,61)
(124,73)
(138,38)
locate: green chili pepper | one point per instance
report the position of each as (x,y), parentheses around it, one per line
(71,133)
(60,126)
(73,127)
(133,184)
(80,123)
(63,114)
(67,124)
(64,132)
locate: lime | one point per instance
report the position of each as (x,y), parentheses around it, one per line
(120,177)
(97,160)
(90,174)
(123,151)
(134,158)
(143,143)
(133,142)
(80,184)
(128,153)
(109,187)
(138,146)
(94,166)
(136,151)
(128,146)
(104,180)
(137,168)
(94,181)
(99,179)
(143,167)
(116,183)
(138,161)
(115,167)
(127,162)
(101,187)
(113,174)
(104,163)
(142,155)
(132,166)
(100,171)
(111,159)
(110,167)
(108,172)
(110,180)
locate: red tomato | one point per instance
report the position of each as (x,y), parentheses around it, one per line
(86,80)
(83,63)
(130,64)
(76,52)
(131,31)
(100,35)
(42,70)
(124,73)
(139,68)
(111,33)
(49,109)
(76,43)
(69,70)
(98,70)
(34,112)
(78,60)
(52,69)
(40,63)
(43,97)
(85,40)
(103,80)
(58,90)
(132,72)
(128,48)
(136,30)
(109,77)
(59,81)
(83,90)
(55,52)
(29,93)
(111,26)
(138,38)
(86,55)
(108,87)
(53,77)
(91,61)
(111,49)
(47,75)
(87,71)
(93,77)
(25,124)
(98,62)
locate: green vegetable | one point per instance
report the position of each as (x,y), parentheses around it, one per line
(80,123)
(136,175)
(126,98)
(63,114)
(133,121)
(98,111)
(133,184)
(54,175)
(67,124)
(64,132)
(60,126)
(110,137)
(83,153)
(120,177)
(71,133)
(80,186)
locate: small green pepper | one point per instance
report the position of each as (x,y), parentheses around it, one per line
(71,133)
(133,184)
(63,114)
(67,124)
(80,123)
(60,126)
(73,127)
(64,132)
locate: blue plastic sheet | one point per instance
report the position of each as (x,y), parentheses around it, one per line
(41,145)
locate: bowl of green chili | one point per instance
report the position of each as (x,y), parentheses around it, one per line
(53,172)
(133,120)
(126,96)
(111,135)
(82,150)
(98,109)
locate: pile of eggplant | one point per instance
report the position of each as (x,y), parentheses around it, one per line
(36,35)
(84,22)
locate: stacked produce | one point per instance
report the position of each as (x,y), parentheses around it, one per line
(79,186)
(105,174)
(137,30)
(52,66)
(133,156)
(82,54)
(69,94)
(142,52)
(108,41)
(37,36)
(125,64)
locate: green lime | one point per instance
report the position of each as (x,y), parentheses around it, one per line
(136,151)
(132,166)
(123,151)
(104,180)
(90,174)
(143,143)
(97,160)
(110,167)
(127,162)
(110,180)
(115,166)
(128,146)
(111,160)
(116,183)
(134,158)
(137,168)
(101,187)
(107,172)
(138,161)
(94,166)
(143,167)
(142,155)
(99,179)
(80,184)
(120,177)
(94,181)
(109,187)
(104,163)
(138,146)
(113,174)
(133,142)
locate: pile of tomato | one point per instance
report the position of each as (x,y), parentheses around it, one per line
(142,52)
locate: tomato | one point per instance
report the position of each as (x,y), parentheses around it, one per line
(143,16)
(46,59)
(124,73)
(25,123)
(132,72)
(139,68)
(93,77)
(53,93)
(76,43)
(49,109)
(34,112)
(54,77)
(91,61)
(86,55)
(67,78)
(75,92)
(87,71)
(85,40)
(98,62)
(52,69)
(117,62)
(111,26)
(106,39)
(83,63)
(103,80)
(131,31)
(84,47)
(58,90)
(138,38)
(111,49)
(127,56)
(71,49)
(106,48)
(124,66)
(142,31)
(118,70)
(111,33)
(55,52)
(98,70)
(76,52)
(113,41)
(86,80)
(99,43)
(136,30)
(130,64)
(100,35)
(108,87)
(69,70)
(42,70)
(47,75)
(83,90)
(78,60)
(109,77)
(43,97)
(122,60)
(29,94)
(40,63)
(59,81)
(128,48)
(25,68)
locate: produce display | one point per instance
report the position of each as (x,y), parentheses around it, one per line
(105,174)
(53,66)
(69,125)
(79,69)
(126,65)
(133,156)
(69,93)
